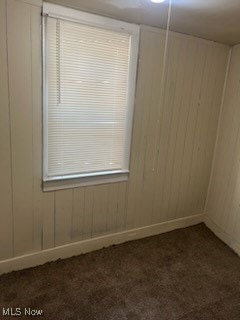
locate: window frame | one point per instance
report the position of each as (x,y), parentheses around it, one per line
(85,179)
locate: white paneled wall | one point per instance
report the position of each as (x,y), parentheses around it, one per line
(6,217)
(223,205)
(172,145)
(170,171)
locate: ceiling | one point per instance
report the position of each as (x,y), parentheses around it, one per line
(217,20)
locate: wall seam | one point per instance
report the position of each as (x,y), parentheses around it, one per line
(10,128)
(218,128)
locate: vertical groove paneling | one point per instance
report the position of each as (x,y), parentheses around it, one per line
(112,209)
(48,220)
(192,124)
(99,220)
(63,216)
(223,206)
(173,174)
(78,213)
(210,129)
(147,154)
(6,231)
(170,125)
(88,212)
(137,126)
(121,206)
(209,81)
(172,143)
(172,89)
(190,87)
(20,89)
(149,74)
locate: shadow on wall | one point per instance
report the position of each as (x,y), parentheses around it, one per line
(134,11)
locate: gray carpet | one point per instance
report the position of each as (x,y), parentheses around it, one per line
(185,274)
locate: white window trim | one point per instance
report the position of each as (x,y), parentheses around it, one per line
(70,182)
(78,180)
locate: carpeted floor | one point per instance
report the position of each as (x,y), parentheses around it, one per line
(186,274)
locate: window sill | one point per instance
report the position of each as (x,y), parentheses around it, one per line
(77,181)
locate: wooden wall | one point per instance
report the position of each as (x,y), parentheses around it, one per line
(172,145)
(223,205)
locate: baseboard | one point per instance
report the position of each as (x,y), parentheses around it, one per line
(221,234)
(76,248)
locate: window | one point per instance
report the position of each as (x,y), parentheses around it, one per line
(89,83)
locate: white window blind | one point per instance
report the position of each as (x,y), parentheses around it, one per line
(89,101)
